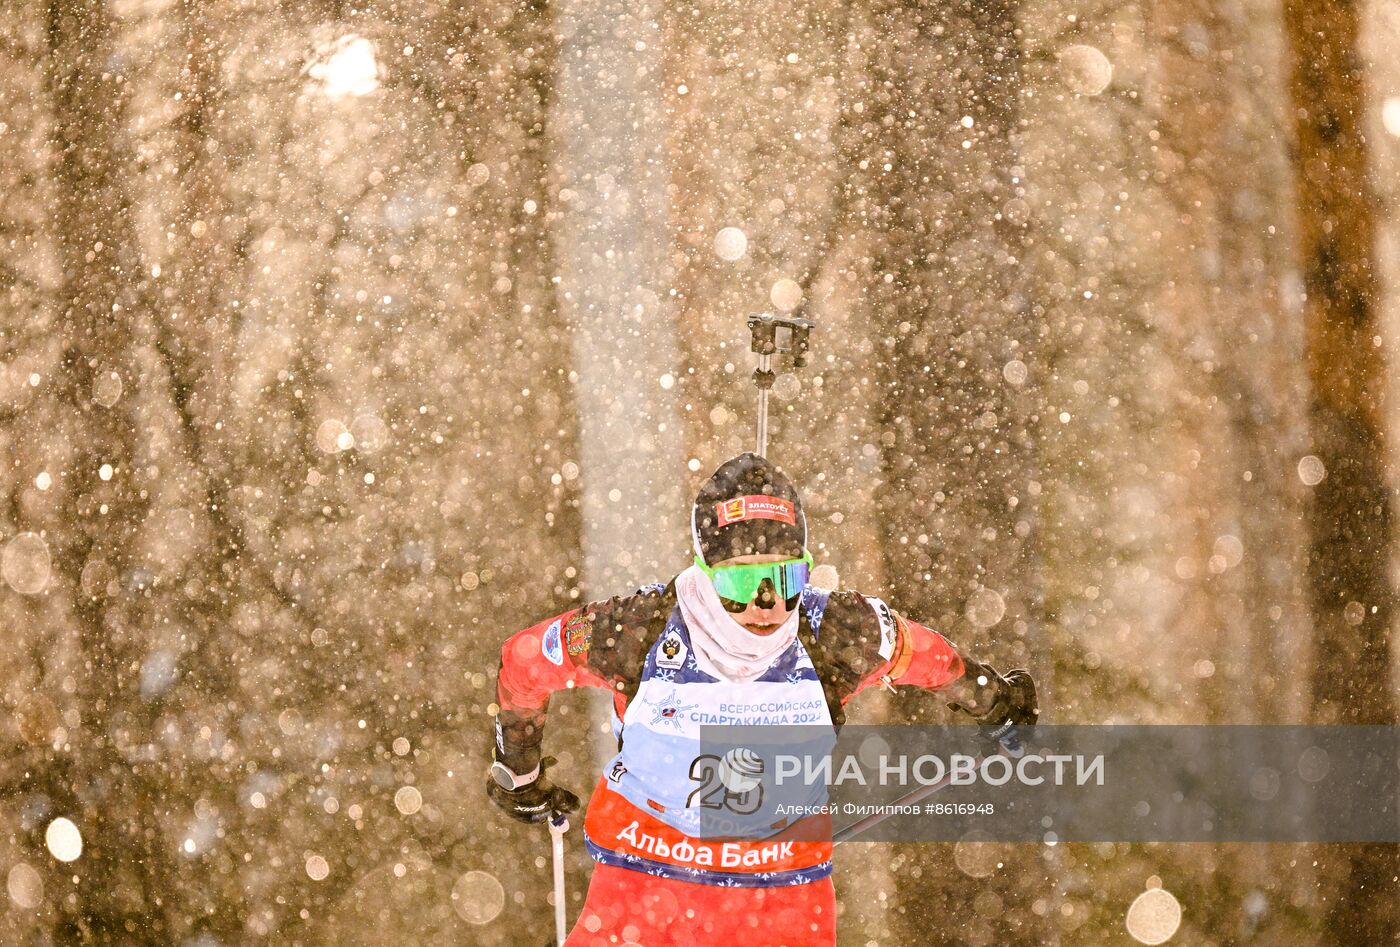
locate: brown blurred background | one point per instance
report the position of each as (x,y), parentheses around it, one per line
(342,340)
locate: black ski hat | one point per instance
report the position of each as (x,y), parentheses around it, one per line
(747,507)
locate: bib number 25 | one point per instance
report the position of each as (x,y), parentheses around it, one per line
(735,784)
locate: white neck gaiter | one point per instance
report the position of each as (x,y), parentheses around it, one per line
(723,647)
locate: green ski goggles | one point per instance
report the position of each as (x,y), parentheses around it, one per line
(740,583)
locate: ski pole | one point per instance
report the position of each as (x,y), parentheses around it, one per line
(558,825)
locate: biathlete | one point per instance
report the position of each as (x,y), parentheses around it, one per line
(740,629)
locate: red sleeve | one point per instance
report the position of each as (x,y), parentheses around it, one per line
(920,657)
(923,657)
(535,663)
(602,644)
(542,659)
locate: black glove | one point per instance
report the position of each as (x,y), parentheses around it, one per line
(1015,702)
(1015,707)
(538,802)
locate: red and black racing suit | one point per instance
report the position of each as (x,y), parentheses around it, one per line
(605,644)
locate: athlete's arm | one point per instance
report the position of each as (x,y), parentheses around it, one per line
(875,645)
(535,663)
(601,644)
(926,659)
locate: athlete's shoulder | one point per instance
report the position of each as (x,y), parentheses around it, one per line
(849,608)
(634,616)
(648,602)
(855,622)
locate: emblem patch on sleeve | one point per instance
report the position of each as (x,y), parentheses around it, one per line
(578,633)
(550,644)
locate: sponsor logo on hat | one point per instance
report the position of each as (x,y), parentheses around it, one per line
(756,508)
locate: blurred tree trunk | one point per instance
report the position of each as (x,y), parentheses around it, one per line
(1217,104)
(40,639)
(957,330)
(611,234)
(193,339)
(1218,100)
(954,309)
(1351,517)
(105,493)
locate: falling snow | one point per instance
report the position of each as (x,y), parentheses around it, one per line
(341,341)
